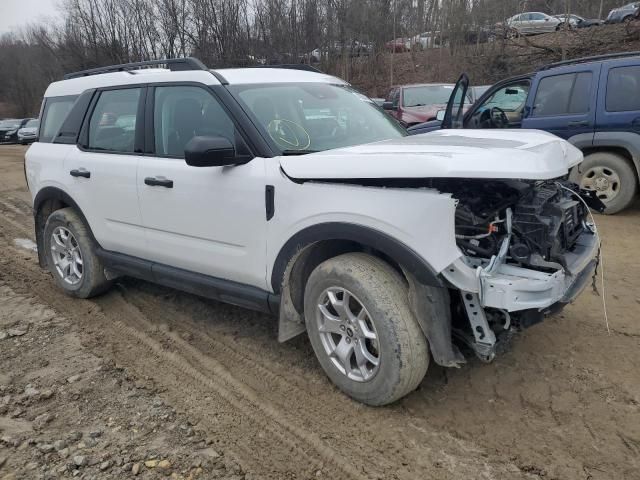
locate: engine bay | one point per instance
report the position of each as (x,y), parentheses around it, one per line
(542,220)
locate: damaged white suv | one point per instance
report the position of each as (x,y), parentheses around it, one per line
(286,191)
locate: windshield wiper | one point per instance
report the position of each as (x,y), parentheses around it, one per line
(297,152)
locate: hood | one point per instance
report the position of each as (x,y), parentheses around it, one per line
(497,154)
(28,130)
(422,113)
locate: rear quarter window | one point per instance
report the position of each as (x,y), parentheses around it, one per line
(54,113)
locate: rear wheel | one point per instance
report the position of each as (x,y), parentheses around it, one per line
(612,178)
(70,254)
(362,329)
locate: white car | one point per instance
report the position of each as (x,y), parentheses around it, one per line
(288,192)
(530,23)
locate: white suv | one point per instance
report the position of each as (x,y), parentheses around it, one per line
(286,191)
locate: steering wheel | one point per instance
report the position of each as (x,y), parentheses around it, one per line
(288,134)
(499,119)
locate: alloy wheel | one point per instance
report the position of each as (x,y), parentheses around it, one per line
(347,334)
(66,255)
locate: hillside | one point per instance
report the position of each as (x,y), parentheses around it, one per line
(489,62)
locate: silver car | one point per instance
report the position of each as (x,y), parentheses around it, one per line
(530,23)
(27,134)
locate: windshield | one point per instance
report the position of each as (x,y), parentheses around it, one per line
(426,95)
(308,117)
(31,124)
(10,123)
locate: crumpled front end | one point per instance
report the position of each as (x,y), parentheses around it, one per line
(528,250)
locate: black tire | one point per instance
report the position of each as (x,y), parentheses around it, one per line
(92,281)
(628,178)
(403,352)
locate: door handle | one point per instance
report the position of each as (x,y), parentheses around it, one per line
(81,172)
(580,123)
(158,182)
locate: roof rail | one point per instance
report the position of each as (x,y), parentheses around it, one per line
(290,66)
(609,56)
(173,64)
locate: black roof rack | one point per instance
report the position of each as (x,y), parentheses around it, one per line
(173,64)
(609,56)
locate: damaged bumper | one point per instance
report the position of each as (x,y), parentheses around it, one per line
(512,288)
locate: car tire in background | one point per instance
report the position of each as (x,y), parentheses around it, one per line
(611,175)
(362,329)
(71,257)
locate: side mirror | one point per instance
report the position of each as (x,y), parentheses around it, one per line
(388,106)
(440,115)
(210,152)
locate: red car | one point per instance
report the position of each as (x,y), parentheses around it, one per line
(418,103)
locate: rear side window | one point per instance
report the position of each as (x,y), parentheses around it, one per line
(623,89)
(54,113)
(112,127)
(567,94)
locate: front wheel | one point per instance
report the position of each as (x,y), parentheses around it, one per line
(611,176)
(362,329)
(70,255)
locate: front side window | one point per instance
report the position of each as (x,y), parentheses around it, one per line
(509,99)
(183,112)
(566,94)
(54,114)
(623,89)
(305,117)
(112,127)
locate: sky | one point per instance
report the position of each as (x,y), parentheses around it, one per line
(18,13)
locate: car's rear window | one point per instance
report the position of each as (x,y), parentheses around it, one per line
(54,113)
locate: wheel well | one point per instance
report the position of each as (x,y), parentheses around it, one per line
(623,152)
(47,201)
(315,254)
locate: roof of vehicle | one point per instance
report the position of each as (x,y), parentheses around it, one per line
(141,73)
(409,85)
(597,58)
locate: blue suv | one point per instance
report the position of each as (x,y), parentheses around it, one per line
(594,103)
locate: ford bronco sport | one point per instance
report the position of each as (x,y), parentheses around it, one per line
(286,191)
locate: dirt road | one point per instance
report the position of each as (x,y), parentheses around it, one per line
(200,389)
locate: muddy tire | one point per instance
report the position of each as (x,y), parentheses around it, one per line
(362,330)
(611,176)
(70,255)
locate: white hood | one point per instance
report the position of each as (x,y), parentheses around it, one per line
(515,154)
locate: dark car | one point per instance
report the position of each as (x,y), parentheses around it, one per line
(9,129)
(594,103)
(417,103)
(576,21)
(626,13)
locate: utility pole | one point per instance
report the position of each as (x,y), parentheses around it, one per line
(601,7)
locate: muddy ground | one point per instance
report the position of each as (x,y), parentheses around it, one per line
(148,382)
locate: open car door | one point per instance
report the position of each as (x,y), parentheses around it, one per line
(454,114)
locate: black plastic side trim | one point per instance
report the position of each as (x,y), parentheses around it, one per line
(397,251)
(269,200)
(192,282)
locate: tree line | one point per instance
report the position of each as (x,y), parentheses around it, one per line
(223,33)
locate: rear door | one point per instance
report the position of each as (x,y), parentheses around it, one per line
(619,97)
(564,102)
(102,169)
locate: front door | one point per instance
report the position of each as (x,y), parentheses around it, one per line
(209,220)
(103,171)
